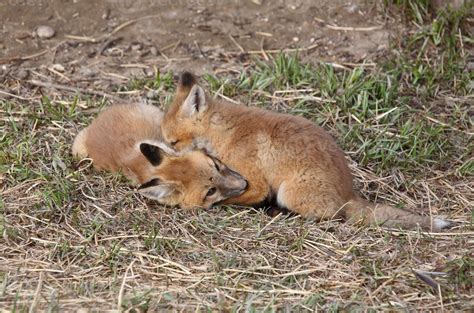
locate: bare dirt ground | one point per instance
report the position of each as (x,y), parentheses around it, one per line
(74,238)
(107,42)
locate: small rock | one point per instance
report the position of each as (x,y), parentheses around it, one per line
(149,72)
(72,44)
(152,94)
(106,14)
(352,8)
(45,32)
(470,66)
(22,74)
(136,46)
(153,51)
(347,258)
(87,72)
(58,67)
(296,39)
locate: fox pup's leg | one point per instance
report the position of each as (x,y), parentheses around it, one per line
(311,200)
(271,208)
(275,210)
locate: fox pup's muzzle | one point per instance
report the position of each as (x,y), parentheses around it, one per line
(235,184)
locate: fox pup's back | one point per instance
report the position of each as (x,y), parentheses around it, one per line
(111,140)
(286,158)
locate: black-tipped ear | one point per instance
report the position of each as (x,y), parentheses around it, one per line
(187,80)
(153,153)
(195,102)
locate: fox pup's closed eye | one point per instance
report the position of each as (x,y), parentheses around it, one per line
(211,191)
(174,142)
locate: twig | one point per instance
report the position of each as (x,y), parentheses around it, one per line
(347,28)
(52,70)
(276,50)
(81,38)
(31,56)
(236,43)
(122,26)
(447,125)
(72,89)
(199,49)
(424,277)
(15,96)
(356,29)
(122,287)
(37,294)
(106,44)
(265,56)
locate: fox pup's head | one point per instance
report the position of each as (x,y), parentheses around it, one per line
(193,179)
(183,121)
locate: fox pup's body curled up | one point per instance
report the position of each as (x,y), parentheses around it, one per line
(128,138)
(284,157)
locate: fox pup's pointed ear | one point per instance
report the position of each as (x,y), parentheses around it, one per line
(155,189)
(195,103)
(186,82)
(153,153)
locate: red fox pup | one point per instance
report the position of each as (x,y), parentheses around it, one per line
(128,138)
(284,157)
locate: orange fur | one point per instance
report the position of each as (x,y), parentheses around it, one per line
(114,142)
(284,157)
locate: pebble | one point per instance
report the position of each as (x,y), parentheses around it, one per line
(136,46)
(22,74)
(470,66)
(58,67)
(149,72)
(154,51)
(152,94)
(347,258)
(106,14)
(45,32)
(352,8)
(87,72)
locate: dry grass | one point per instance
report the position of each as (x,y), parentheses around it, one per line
(76,238)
